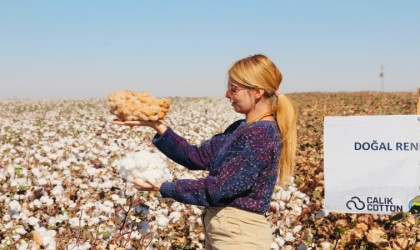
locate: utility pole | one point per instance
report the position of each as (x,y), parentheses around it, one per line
(382,75)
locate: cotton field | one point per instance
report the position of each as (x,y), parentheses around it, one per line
(62,184)
(63,166)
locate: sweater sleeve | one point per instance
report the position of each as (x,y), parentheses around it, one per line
(192,157)
(241,165)
(179,150)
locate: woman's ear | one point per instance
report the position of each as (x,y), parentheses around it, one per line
(259,93)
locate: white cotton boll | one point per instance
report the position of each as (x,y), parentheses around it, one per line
(280,241)
(15,206)
(108,203)
(66,172)
(19,182)
(72,246)
(91,171)
(298,210)
(62,217)
(105,209)
(42,181)
(93,184)
(289,237)
(47,237)
(162,211)
(36,172)
(128,163)
(325,245)
(53,156)
(197,210)
(76,222)
(114,148)
(192,219)
(86,246)
(152,176)
(56,182)
(115,197)
(162,221)
(177,206)
(72,204)
(285,195)
(5,186)
(144,166)
(174,216)
(301,195)
(121,201)
(11,171)
(15,237)
(199,221)
(19,197)
(135,235)
(64,200)
(33,221)
(297,229)
(17,216)
(20,230)
(9,225)
(52,222)
(142,160)
(3,198)
(22,245)
(49,202)
(274,246)
(46,200)
(77,182)
(107,184)
(104,161)
(57,191)
(93,221)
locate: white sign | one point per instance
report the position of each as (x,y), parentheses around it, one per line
(372,163)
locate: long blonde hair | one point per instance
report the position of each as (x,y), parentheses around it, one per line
(259,71)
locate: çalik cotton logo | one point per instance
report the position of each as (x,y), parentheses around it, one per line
(376,204)
(414,205)
(355,203)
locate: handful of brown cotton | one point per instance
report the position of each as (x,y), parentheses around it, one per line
(129,105)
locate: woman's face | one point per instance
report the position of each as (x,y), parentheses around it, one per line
(241,97)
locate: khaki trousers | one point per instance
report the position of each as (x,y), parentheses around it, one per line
(229,228)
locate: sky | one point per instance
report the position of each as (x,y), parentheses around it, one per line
(76,49)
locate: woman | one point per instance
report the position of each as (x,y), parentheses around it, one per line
(244,162)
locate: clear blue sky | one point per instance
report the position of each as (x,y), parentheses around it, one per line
(86,48)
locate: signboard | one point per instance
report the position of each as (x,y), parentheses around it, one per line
(372,164)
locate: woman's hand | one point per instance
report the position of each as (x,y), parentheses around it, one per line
(135,123)
(156,125)
(146,186)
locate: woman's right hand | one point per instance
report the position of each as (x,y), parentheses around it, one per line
(156,125)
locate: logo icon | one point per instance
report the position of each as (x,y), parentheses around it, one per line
(356,203)
(414,205)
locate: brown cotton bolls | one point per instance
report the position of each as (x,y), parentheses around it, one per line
(129,105)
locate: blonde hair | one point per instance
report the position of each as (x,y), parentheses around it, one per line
(259,71)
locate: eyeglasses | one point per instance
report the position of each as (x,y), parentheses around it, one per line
(233,89)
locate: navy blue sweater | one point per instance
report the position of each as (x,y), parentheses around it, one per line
(242,164)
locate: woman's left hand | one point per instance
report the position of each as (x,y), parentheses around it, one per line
(146,186)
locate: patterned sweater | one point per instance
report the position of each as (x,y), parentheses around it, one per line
(242,164)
